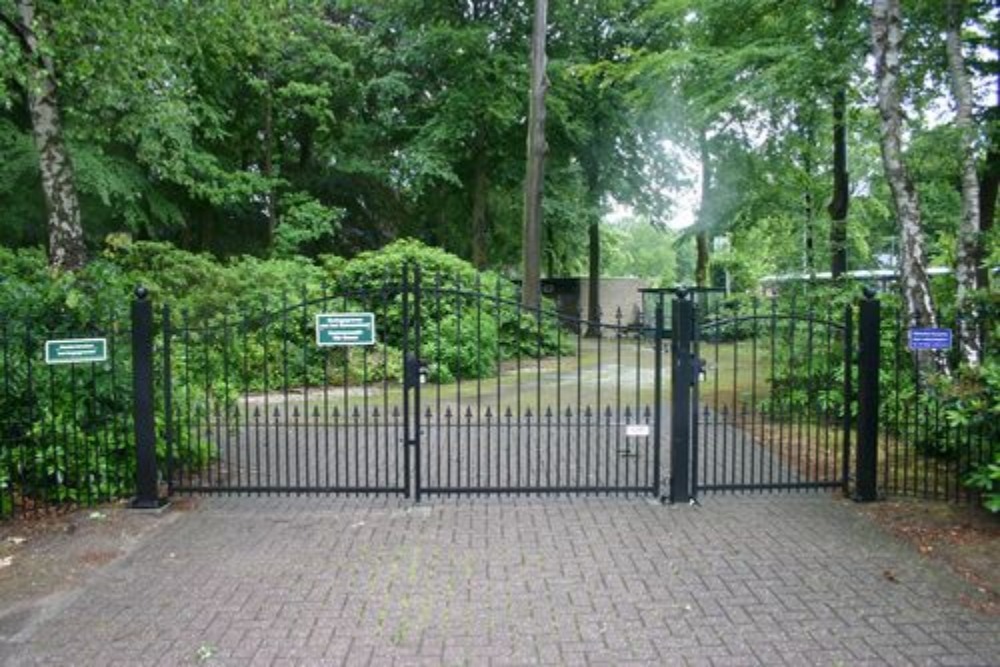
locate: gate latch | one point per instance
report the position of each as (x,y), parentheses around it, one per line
(414,371)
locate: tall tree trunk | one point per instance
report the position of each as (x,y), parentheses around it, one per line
(531,240)
(594,267)
(887,37)
(480,192)
(968,228)
(67,251)
(701,264)
(840,199)
(989,185)
(809,240)
(267,168)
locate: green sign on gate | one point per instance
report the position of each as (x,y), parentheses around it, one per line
(76,350)
(335,329)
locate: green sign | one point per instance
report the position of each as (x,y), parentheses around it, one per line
(335,329)
(76,350)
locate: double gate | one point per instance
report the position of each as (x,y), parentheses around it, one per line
(461,390)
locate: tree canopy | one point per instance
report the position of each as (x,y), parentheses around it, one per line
(278,128)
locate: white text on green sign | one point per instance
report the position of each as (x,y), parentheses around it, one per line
(76,350)
(335,329)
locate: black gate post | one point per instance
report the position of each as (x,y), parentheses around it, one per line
(146,495)
(682,325)
(866,486)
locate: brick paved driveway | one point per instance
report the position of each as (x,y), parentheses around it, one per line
(785,579)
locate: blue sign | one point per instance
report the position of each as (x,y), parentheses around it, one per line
(930,339)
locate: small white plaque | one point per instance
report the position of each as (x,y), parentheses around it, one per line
(637,431)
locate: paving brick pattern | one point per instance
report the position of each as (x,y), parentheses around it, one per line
(786,579)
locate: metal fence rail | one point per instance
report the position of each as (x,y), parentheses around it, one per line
(464,391)
(65,429)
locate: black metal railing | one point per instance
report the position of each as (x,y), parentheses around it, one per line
(930,439)
(65,429)
(465,391)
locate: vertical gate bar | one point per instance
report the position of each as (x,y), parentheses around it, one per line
(824,412)
(5,337)
(305,383)
(657,393)
(325,296)
(168,399)
(266,317)
(146,496)
(437,388)
(559,326)
(868,397)
(407,416)
(254,445)
(810,393)
(640,317)
(897,365)
(458,391)
(479,382)
(696,322)
(597,400)
(757,475)
(418,285)
(618,399)
(286,400)
(224,432)
(734,411)
(499,371)
(365,417)
(795,433)
(382,299)
(848,397)
(101,446)
(680,420)
(538,394)
(578,443)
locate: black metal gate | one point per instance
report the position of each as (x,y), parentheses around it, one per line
(764,390)
(463,391)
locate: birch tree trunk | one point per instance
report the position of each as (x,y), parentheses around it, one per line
(535,176)
(968,229)
(887,36)
(67,251)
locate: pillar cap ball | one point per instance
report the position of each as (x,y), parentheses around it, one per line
(869,292)
(141,292)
